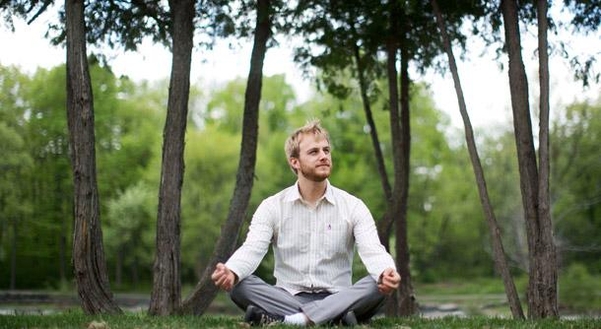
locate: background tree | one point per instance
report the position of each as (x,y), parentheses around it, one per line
(499,252)
(14,210)
(575,191)
(127,236)
(88,257)
(14,205)
(51,177)
(542,288)
(166,290)
(548,305)
(205,291)
(586,19)
(347,31)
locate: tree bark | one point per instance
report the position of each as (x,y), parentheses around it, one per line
(88,252)
(407,303)
(541,286)
(385,224)
(403,302)
(13,254)
(62,263)
(548,253)
(205,291)
(166,291)
(500,258)
(395,131)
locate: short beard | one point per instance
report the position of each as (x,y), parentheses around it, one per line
(314,177)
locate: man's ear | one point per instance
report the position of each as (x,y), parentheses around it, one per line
(293,162)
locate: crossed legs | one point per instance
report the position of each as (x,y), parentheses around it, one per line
(362,298)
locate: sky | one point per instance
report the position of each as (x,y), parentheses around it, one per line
(485,86)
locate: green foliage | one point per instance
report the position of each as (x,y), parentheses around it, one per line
(34,108)
(576,188)
(208,184)
(579,291)
(128,237)
(37,151)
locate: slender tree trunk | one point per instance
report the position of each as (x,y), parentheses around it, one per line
(166,290)
(63,244)
(13,255)
(88,251)
(392,304)
(205,291)
(119,267)
(385,224)
(548,253)
(407,303)
(541,290)
(497,243)
(135,277)
(403,301)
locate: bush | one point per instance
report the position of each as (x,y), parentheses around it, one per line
(579,290)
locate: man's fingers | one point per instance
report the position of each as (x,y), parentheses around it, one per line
(384,289)
(223,283)
(389,281)
(221,276)
(392,280)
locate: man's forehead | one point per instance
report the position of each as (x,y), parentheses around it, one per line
(311,140)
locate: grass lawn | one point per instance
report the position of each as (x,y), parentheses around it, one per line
(482,301)
(140,320)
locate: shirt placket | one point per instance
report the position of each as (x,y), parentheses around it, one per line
(313,245)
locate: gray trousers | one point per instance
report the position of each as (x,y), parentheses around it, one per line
(363,298)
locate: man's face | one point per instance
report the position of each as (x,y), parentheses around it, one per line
(314,161)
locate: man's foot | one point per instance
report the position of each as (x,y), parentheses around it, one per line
(257,317)
(349,319)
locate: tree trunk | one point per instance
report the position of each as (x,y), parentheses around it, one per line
(392,303)
(119,266)
(542,301)
(548,254)
(385,224)
(403,301)
(13,255)
(166,290)
(135,276)
(88,252)
(499,252)
(63,244)
(407,303)
(205,291)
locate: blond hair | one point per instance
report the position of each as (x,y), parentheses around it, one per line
(292,145)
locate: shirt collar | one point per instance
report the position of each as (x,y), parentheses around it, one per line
(293,193)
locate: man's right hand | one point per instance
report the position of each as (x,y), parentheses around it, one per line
(223,277)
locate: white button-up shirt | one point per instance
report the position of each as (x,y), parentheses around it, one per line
(313,246)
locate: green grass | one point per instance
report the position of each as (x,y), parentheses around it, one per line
(138,320)
(482,299)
